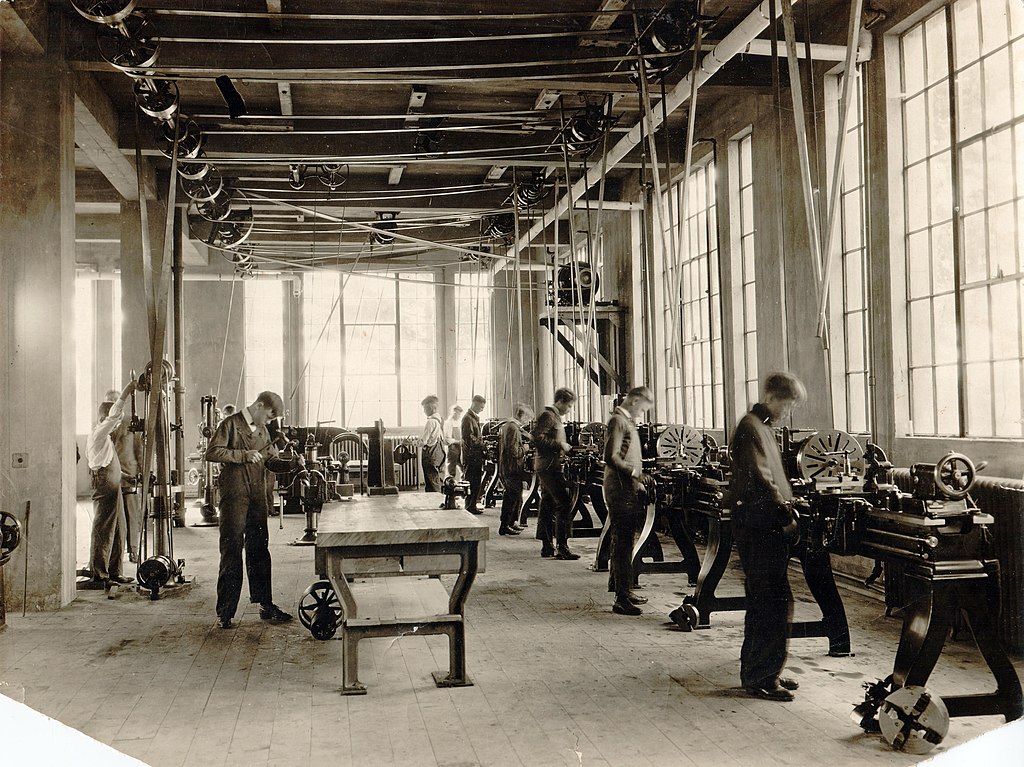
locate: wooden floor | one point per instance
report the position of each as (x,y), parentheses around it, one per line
(560,679)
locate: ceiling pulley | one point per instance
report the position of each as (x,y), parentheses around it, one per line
(584,130)
(529,193)
(500,226)
(666,36)
(384,227)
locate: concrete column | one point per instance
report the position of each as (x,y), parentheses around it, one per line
(210,334)
(104,376)
(37,271)
(446,341)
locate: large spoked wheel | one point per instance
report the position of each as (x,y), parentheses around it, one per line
(830,454)
(10,535)
(320,610)
(954,475)
(680,443)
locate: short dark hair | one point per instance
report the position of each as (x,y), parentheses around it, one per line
(522,409)
(271,401)
(430,399)
(105,409)
(640,392)
(565,395)
(784,386)
(480,398)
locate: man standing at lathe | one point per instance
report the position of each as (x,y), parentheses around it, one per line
(243,446)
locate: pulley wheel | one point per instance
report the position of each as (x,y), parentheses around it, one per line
(156,98)
(216,209)
(954,475)
(686,616)
(194,171)
(155,573)
(10,534)
(830,454)
(681,444)
(320,607)
(204,189)
(109,12)
(132,45)
(913,720)
(230,232)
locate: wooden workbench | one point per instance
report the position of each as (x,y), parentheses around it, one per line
(407,535)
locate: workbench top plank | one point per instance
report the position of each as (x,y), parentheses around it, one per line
(377,526)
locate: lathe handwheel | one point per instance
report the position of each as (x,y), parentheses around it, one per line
(913,720)
(320,610)
(10,534)
(680,443)
(109,12)
(954,475)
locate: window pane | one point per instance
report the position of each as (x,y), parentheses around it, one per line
(919,266)
(922,401)
(1005,323)
(915,128)
(946,401)
(920,333)
(965,22)
(938,118)
(945,329)
(979,404)
(913,60)
(976,327)
(969,91)
(942,258)
(1007,398)
(1002,235)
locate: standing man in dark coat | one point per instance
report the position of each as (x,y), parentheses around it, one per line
(550,443)
(244,447)
(765,525)
(512,469)
(623,480)
(473,452)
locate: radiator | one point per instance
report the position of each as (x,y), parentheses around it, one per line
(1004,500)
(407,475)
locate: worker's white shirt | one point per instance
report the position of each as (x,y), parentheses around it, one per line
(248,419)
(432,433)
(99,449)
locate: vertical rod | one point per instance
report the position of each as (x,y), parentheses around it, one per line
(779,180)
(835,194)
(178,272)
(803,152)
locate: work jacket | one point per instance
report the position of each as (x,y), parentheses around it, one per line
(229,445)
(759,488)
(623,462)
(548,438)
(511,449)
(472,438)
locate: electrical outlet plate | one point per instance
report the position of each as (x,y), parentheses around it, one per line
(19,460)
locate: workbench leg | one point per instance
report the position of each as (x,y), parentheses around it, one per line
(350,684)
(684,542)
(926,622)
(456,632)
(716,559)
(817,568)
(980,607)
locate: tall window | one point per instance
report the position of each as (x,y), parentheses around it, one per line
(743,201)
(264,338)
(472,336)
(694,390)
(321,327)
(965,279)
(849,283)
(376,353)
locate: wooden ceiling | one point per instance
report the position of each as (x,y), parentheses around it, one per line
(435,110)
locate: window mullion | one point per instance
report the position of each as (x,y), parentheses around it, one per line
(958,256)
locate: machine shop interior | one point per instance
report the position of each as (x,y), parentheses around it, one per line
(633,382)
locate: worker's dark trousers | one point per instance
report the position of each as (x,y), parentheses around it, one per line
(106,548)
(627,518)
(474,476)
(243,522)
(433,461)
(511,499)
(764,555)
(554,518)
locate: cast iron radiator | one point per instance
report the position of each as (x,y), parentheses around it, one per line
(407,474)
(1004,500)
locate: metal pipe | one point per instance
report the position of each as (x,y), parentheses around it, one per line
(835,193)
(803,152)
(733,44)
(178,270)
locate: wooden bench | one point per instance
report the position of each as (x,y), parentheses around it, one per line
(394,537)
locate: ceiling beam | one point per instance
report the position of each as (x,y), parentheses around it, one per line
(23,28)
(284,89)
(96,133)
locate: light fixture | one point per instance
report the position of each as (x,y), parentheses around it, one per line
(296,176)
